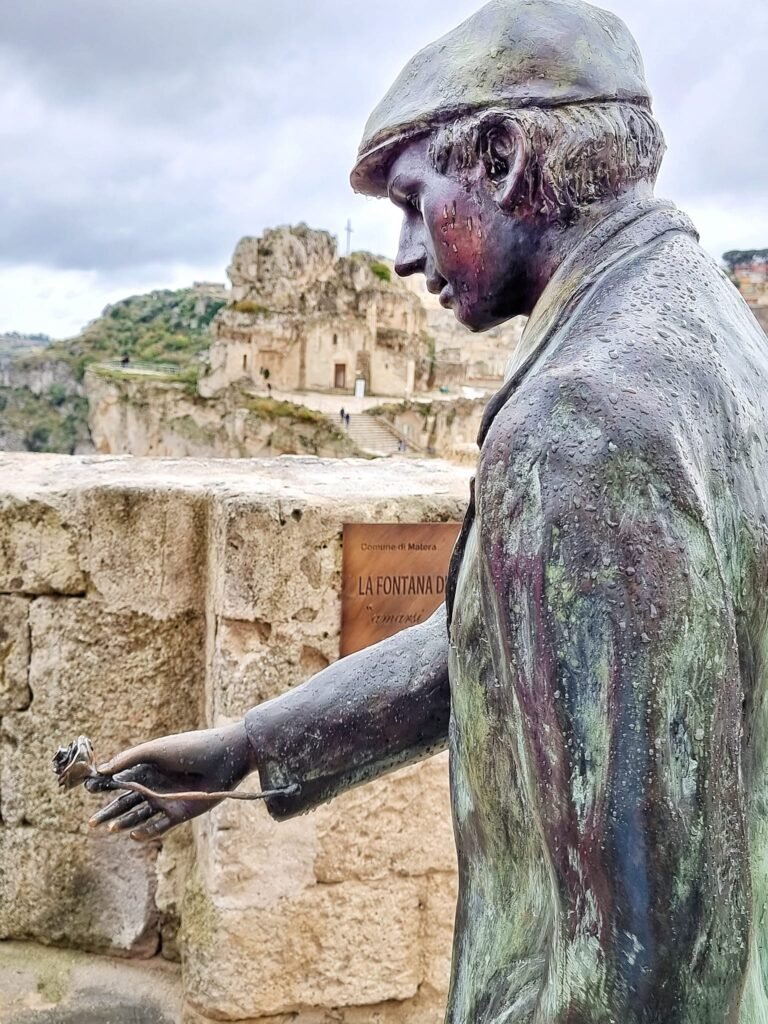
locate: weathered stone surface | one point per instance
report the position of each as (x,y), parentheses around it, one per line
(248,861)
(323,949)
(14,654)
(297,548)
(277,269)
(38,546)
(142,416)
(400,824)
(422,1009)
(118,678)
(283,920)
(146,548)
(280,625)
(174,863)
(94,893)
(40,985)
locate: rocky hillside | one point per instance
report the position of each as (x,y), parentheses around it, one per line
(159,327)
(54,420)
(42,399)
(135,415)
(14,342)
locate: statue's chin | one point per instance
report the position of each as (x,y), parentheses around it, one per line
(474,320)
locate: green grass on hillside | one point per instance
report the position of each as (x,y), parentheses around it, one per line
(273,408)
(159,327)
(50,422)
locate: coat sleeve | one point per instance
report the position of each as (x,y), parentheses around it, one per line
(613,630)
(365,715)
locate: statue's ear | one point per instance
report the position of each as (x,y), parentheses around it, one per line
(504,153)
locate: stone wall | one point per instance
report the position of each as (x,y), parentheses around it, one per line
(145,596)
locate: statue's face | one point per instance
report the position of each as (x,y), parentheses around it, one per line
(472,254)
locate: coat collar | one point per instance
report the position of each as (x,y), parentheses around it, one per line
(612,242)
(615,241)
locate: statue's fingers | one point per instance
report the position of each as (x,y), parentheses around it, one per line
(114,809)
(100,784)
(155,827)
(144,753)
(131,818)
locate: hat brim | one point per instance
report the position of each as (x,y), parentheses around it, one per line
(369,175)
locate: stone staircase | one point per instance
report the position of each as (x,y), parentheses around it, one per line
(372,435)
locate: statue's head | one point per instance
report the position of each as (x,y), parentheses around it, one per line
(529,116)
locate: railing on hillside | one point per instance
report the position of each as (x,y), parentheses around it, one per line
(413,446)
(165,370)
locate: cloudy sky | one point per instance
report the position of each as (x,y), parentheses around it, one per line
(142,138)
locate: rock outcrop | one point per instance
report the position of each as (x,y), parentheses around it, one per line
(282,269)
(303,318)
(446,427)
(136,415)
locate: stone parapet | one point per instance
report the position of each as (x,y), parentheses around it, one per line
(139,597)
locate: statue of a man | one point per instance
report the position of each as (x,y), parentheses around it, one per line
(599,679)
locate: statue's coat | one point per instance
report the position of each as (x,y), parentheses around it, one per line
(606,716)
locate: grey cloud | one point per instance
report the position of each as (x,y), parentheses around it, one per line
(156,132)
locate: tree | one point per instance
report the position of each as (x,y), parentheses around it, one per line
(734,257)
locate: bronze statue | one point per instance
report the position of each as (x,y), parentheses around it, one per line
(598,682)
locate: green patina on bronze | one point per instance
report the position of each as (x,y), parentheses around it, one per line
(608,655)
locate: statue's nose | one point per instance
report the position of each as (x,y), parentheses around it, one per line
(411,252)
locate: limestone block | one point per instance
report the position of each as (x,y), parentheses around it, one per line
(254,661)
(14,654)
(38,547)
(92,893)
(146,548)
(397,824)
(174,862)
(118,678)
(296,547)
(425,1008)
(249,861)
(339,945)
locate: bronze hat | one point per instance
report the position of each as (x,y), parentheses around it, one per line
(510,53)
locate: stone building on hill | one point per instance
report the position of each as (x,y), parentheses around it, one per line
(748,269)
(753,285)
(301,318)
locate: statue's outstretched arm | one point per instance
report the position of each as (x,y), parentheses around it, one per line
(373,711)
(383,707)
(614,631)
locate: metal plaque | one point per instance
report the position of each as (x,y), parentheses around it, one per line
(394,576)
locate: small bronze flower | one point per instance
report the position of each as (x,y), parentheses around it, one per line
(75,763)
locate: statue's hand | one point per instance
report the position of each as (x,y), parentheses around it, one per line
(211,760)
